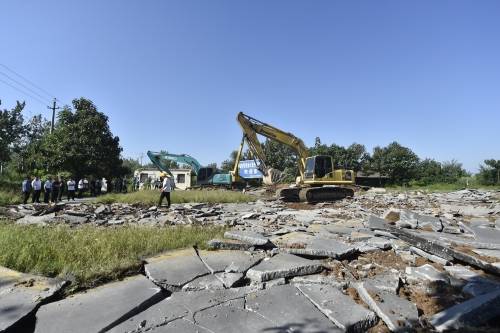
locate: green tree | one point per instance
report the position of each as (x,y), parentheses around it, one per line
(396,161)
(82,143)
(228,165)
(489,174)
(452,171)
(11,130)
(428,172)
(356,157)
(281,157)
(129,165)
(353,157)
(30,156)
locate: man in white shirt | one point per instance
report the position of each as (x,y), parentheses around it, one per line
(80,188)
(36,184)
(166,188)
(71,188)
(47,187)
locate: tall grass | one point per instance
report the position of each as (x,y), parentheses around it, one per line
(92,255)
(148,197)
(10,198)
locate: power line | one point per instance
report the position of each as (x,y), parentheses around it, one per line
(24,86)
(30,82)
(24,92)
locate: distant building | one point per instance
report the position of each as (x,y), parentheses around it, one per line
(183,178)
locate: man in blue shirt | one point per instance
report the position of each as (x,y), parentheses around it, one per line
(26,189)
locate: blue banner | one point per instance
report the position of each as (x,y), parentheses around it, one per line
(248,169)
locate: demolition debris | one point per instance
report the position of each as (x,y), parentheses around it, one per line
(397,261)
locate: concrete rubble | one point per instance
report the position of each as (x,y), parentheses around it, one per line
(392,261)
(22,294)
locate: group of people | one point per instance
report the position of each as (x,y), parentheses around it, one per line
(53,189)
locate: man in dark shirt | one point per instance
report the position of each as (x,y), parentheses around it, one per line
(26,189)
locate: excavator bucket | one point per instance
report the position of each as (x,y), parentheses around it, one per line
(272,176)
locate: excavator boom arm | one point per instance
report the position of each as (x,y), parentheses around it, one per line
(251,127)
(156,158)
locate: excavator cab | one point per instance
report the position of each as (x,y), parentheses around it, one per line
(204,175)
(318,166)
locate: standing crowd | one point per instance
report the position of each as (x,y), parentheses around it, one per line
(53,189)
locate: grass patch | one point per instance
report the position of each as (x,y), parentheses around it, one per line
(10,198)
(92,255)
(150,198)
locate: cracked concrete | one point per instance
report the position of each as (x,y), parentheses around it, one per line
(315,268)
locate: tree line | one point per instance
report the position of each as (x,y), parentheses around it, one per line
(399,164)
(80,145)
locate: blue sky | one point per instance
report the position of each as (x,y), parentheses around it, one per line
(173,74)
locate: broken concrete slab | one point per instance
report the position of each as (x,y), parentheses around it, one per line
(74,219)
(293,240)
(283,265)
(178,326)
(487,253)
(376,223)
(339,308)
(249,237)
(486,234)
(429,256)
(21,294)
(229,280)
(37,220)
(229,261)
(289,310)
(228,244)
(357,236)
(379,242)
(472,313)
(330,228)
(384,234)
(480,285)
(362,247)
(397,313)
(180,305)
(232,319)
(460,272)
(320,247)
(388,281)
(204,282)
(319,279)
(175,269)
(98,309)
(425,272)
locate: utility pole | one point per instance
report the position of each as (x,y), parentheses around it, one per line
(53,108)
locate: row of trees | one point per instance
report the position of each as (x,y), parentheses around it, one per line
(81,143)
(400,164)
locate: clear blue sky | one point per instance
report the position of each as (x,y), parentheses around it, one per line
(173,74)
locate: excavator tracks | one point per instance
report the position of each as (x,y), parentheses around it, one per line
(314,194)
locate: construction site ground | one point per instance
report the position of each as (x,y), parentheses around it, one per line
(380,261)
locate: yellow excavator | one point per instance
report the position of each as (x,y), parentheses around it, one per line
(318,180)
